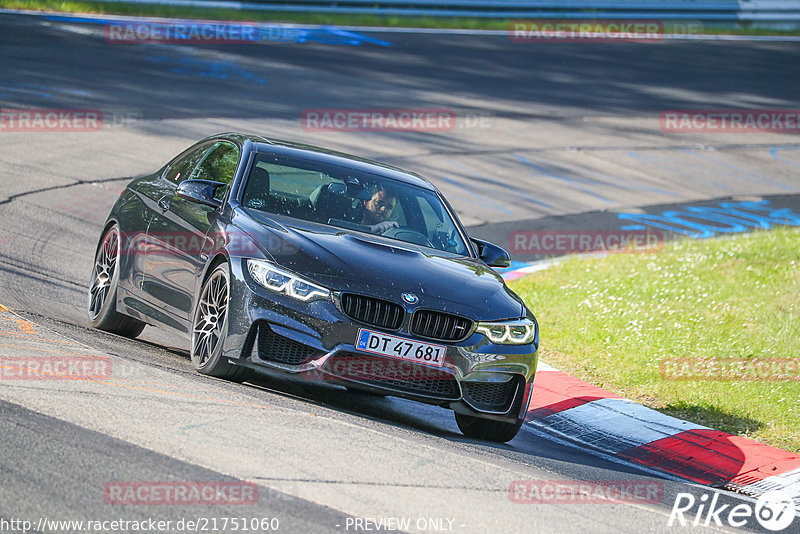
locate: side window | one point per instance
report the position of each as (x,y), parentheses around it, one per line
(219,165)
(291,181)
(185,164)
(439,227)
(430,216)
(398,213)
(281,188)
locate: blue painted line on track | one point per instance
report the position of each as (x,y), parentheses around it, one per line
(628,187)
(515,190)
(570,181)
(475,194)
(701,222)
(221,70)
(663,162)
(26,91)
(774,154)
(513,267)
(267,32)
(761,178)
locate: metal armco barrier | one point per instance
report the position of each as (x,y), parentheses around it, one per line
(706,10)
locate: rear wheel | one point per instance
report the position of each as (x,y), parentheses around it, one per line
(210,325)
(103,312)
(488,429)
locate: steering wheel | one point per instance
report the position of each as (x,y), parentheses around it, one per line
(404,233)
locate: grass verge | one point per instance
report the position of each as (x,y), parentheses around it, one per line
(391,21)
(612,321)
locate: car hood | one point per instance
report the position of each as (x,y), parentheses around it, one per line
(352,261)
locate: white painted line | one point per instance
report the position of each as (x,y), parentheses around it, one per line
(533,267)
(788,482)
(614,425)
(544,367)
(569,440)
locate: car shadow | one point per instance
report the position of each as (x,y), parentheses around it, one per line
(394,410)
(532,445)
(528,446)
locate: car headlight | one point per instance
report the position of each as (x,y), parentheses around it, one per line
(280,281)
(519,332)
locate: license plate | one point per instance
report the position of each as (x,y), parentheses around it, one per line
(398,347)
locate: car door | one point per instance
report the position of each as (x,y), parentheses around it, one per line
(178,235)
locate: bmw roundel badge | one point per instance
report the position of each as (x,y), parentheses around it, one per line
(410,298)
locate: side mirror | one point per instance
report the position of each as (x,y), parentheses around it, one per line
(491,254)
(200,191)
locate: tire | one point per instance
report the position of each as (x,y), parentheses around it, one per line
(101,307)
(210,325)
(487,429)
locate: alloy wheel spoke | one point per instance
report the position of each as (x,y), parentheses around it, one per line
(103,274)
(211,310)
(199,348)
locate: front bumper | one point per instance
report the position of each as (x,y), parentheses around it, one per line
(316,340)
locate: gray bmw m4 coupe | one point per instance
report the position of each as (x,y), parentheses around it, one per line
(281,257)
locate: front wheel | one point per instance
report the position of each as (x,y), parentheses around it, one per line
(488,429)
(102,309)
(210,325)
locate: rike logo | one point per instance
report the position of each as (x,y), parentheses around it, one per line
(774,510)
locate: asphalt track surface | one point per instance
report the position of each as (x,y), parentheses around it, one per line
(572,129)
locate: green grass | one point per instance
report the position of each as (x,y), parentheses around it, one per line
(477,23)
(612,320)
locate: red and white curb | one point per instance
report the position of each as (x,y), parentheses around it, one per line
(532,267)
(592,417)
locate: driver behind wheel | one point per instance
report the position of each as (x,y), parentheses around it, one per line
(375,211)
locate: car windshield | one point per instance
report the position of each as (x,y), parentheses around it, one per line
(351,199)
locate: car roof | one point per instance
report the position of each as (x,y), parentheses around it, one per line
(324,155)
